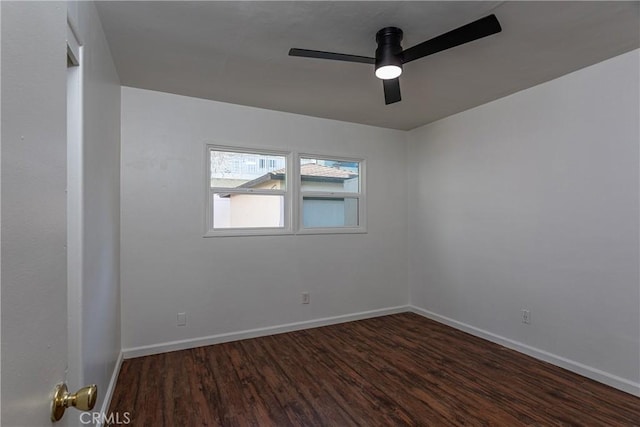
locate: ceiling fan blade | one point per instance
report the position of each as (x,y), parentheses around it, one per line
(306,53)
(391,91)
(483,27)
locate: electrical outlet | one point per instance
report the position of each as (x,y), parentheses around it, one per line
(182,319)
(526,316)
(306,298)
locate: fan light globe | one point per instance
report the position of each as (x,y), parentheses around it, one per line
(388,72)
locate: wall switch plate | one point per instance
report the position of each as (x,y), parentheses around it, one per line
(306,298)
(182,319)
(526,316)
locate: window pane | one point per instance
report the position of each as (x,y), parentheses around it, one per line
(248,211)
(329,212)
(247,170)
(335,176)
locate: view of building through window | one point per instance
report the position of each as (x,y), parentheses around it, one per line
(323,184)
(248,190)
(231,169)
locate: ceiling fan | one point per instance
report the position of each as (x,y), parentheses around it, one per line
(390,57)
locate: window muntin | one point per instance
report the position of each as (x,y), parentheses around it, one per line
(331,194)
(247,192)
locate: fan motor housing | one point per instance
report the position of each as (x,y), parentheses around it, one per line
(389,49)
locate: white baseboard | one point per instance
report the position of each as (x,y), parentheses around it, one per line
(258,332)
(108,394)
(570,365)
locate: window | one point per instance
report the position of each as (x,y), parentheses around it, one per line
(271,162)
(251,192)
(331,195)
(248,192)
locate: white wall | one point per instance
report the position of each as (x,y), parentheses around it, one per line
(531,201)
(226,285)
(100,325)
(34,336)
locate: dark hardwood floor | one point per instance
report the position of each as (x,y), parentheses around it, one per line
(387,371)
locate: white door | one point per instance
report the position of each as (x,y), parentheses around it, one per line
(33,209)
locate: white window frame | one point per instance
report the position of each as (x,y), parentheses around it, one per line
(287,228)
(293,195)
(360,196)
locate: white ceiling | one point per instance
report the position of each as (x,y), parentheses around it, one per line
(237,52)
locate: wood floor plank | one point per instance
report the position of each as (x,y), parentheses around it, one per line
(393,370)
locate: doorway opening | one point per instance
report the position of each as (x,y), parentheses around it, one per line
(74,372)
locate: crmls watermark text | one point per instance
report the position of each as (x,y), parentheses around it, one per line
(112,419)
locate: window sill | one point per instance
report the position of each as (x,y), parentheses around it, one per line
(248,232)
(345,230)
(270,232)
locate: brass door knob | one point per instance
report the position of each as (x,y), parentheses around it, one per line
(84,400)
